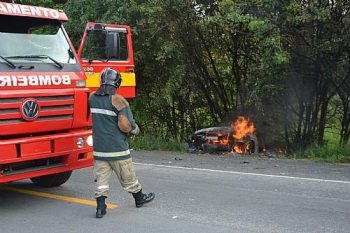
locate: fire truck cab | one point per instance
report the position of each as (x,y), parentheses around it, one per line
(44,113)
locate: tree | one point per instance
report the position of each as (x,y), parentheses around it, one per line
(201,63)
(315,36)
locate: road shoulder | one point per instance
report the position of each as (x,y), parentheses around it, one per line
(246,164)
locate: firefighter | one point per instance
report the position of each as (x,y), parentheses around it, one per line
(112,122)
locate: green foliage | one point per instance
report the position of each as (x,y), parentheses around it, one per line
(154,142)
(284,64)
(332,153)
(314,35)
(55,4)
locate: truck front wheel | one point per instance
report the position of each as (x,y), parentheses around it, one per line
(52,180)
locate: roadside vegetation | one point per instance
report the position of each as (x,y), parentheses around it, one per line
(330,153)
(202,63)
(158,143)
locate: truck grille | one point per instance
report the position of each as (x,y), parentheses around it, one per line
(51,108)
(32,165)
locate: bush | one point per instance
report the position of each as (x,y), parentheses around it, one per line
(332,153)
(153,142)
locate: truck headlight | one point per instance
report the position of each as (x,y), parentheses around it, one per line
(80,142)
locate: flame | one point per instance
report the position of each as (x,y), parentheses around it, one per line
(237,149)
(237,140)
(242,127)
(222,141)
(247,148)
(241,148)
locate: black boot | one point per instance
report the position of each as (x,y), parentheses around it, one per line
(101,207)
(141,198)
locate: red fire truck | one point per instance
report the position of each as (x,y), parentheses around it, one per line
(44,88)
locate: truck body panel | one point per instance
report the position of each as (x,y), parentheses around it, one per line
(44,114)
(122,60)
(31,11)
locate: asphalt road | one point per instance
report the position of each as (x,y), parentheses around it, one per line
(194,193)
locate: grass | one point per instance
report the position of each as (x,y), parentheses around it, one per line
(151,143)
(331,153)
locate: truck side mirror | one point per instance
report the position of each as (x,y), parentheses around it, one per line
(112,45)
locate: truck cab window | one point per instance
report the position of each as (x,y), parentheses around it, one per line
(123,47)
(98,42)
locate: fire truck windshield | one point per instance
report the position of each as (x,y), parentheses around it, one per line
(34,37)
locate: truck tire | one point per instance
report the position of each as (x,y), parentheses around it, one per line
(51,180)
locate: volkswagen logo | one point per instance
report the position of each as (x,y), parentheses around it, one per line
(30,109)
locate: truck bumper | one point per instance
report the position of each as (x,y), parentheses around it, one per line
(28,157)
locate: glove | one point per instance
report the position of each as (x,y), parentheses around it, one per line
(136,130)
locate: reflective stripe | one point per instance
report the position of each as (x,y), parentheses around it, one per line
(111,154)
(93,79)
(136,183)
(103,187)
(103,111)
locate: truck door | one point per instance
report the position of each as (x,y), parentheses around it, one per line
(108,45)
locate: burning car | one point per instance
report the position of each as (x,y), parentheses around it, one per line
(238,138)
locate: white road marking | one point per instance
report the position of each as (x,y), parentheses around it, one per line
(245,173)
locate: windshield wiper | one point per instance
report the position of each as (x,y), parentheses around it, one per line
(98,59)
(10,64)
(59,65)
